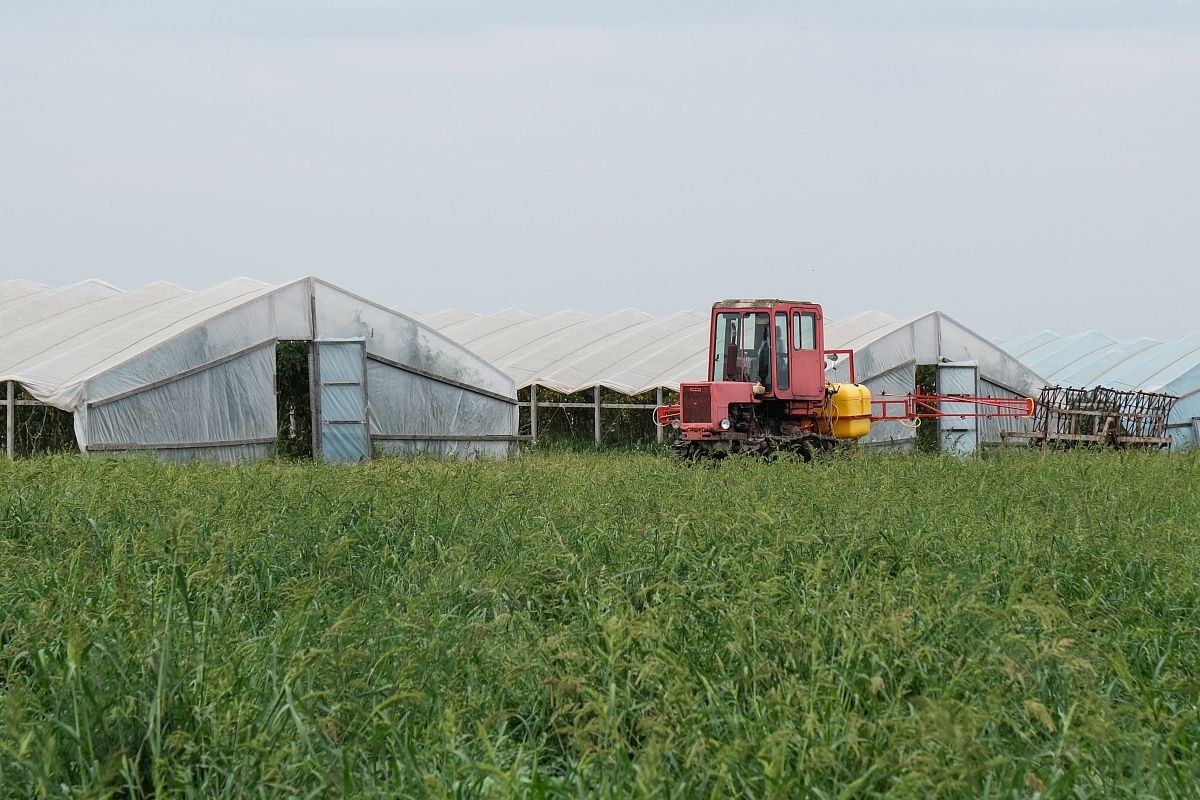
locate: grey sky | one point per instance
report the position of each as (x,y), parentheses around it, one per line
(1017,164)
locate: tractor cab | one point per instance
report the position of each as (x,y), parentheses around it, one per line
(766,380)
(775,344)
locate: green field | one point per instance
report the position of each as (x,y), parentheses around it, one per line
(602,625)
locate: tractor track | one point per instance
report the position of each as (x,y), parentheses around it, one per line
(806,446)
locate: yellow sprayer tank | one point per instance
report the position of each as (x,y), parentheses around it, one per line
(849,410)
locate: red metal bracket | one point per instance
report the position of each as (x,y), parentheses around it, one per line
(664,414)
(847,353)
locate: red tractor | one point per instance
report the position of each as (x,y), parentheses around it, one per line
(767,393)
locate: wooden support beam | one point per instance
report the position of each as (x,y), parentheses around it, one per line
(597,425)
(10,419)
(533,413)
(658,429)
(1093,438)
(127,446)
(314,392)
(605,406)
(446,437)
(439,379)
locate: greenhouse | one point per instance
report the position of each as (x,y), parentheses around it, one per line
(1147,365)
(632,360)
(238,371)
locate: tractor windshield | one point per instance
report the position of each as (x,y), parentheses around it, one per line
(742,348)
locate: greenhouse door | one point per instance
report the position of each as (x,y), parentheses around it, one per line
(957,435)
(341,392)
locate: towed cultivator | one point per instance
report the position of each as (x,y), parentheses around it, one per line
(1099,417)
(767,391)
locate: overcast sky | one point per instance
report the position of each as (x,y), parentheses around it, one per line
(1018,164)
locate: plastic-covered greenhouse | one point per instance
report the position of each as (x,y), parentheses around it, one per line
(242,370)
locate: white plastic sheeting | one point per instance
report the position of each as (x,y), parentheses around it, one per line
(1093,359)
(192,373)
(231,409)
(628,351)
(50,303)
(54,356)
(634,352)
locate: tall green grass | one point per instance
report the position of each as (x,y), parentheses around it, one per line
(603,625)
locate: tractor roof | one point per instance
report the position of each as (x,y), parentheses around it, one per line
(762,303)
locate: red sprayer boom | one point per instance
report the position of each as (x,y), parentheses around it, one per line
(929,406)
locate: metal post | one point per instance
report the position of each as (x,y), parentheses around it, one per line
(597,391)
(533,420)
(658,430)
(10,419)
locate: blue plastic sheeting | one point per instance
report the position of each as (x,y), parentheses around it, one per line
(342,404)
(1082,373)
(341,362)
(342,444)
(1185,417)
(1023,344)
(1157,367)
(1093,359)
(1055,356)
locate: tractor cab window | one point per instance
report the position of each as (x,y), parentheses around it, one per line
(727,349)
(804,331)
(781,350)
(760,363)
(742,348)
